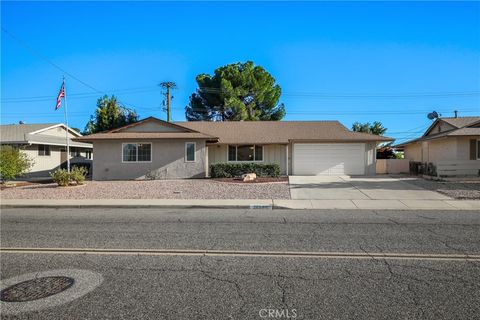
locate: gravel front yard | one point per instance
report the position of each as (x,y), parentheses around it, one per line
(456,190)
(156,189)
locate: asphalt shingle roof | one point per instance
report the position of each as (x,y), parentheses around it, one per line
(245,132)
(18,132)
(461,122)
(21,133)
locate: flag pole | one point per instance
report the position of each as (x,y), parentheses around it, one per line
(66,123)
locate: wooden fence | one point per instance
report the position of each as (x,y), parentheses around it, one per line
(458,168)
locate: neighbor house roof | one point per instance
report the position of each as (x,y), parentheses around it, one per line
(32,134)
(463,126)
(243,132)
(461,122)
(269,132)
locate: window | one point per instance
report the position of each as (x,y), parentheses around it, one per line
(88,154)
(245,153)
(144,152)
(74,152)
(232,153)
(190,151)
(43,150)
(136,152)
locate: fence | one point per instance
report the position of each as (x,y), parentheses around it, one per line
(392,166)
(458,168)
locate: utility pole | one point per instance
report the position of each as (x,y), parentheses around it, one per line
(167,85)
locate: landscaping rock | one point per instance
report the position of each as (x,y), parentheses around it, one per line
(249,177)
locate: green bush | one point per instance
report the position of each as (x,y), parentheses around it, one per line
(13,163)
(78,174)
(61,177)
(230,170)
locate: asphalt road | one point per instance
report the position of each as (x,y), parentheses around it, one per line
(429,283)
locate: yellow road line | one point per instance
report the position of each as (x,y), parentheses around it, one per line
(237,253)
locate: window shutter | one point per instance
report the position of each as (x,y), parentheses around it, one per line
(473,149)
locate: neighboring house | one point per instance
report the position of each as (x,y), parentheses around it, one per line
(447,139)
(45,144)
(186,149)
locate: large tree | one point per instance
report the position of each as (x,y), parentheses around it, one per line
(239,91)
(109,115)
(375,128)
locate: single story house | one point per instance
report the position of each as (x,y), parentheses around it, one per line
(45,144)
(186,149)
(447,139)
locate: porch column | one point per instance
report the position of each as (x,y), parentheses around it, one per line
(286,149)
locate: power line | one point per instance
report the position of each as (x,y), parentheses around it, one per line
(292,94)
(353,95)
(35,52)
(38,54)
(79,95)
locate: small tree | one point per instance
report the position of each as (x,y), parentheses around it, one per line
(13,163)
(109,115)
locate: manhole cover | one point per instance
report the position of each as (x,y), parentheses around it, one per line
(37,288)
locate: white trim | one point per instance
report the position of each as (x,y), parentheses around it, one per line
(246,161)
(194,151)
(78,134)
(137,143)
(30,142)
(286,162)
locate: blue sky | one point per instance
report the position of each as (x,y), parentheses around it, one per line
(348,61)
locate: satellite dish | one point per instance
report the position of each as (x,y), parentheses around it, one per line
(433,115)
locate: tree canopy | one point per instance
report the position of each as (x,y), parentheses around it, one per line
(109,115)
(375,128)
(239,91)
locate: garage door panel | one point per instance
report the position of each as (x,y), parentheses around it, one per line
(328,159)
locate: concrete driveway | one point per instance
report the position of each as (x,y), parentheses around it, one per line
(357,188)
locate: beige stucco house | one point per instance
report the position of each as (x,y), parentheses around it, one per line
(45,144)
(160,149)
(447,139)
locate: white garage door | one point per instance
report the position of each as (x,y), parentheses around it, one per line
(328,158)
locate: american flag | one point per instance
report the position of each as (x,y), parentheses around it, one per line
(61,94)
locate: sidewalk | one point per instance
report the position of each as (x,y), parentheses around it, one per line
(248,203)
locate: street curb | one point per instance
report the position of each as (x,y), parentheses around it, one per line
(270,204)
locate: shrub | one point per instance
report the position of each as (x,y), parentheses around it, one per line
(78,174)
(61,177)
(230,170)
(13,163)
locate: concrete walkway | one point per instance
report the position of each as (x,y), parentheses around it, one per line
(409,204)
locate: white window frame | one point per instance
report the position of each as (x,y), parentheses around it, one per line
(236,152)
(44,148)
(137,143)
(194,151)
